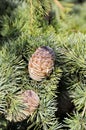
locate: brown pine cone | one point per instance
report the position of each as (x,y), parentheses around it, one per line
(31,99)
(23,106)
(41,63)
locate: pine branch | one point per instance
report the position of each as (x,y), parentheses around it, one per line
(76,122)
(17,78)
(70,63)
(59,4)
(79,97)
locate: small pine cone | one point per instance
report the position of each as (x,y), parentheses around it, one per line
(25,104)
(41,63)
(31,99)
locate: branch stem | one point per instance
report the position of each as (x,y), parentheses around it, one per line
(59,4)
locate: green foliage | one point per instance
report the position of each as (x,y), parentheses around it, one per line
(79,96)
(77,122)
(72,60)
(14,78)
(24,26)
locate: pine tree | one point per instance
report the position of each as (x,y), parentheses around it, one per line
(58,101)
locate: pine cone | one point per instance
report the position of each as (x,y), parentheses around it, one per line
(41,63)
(25,104)
(31,99)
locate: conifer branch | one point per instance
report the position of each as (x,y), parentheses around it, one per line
(18,22)
(59,4)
